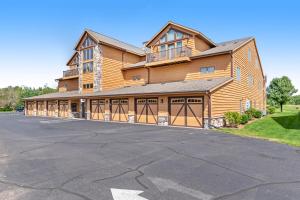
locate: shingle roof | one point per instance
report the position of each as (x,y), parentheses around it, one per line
(224,47)
(117,43)
(170,87)
(59,95)
(157,88)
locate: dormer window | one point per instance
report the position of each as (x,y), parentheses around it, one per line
(163,39)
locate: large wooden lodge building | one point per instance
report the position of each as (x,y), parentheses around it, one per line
(179,78)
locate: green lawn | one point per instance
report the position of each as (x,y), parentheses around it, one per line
(280,127)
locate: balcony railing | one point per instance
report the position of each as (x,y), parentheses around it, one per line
(169,54)
(71,72)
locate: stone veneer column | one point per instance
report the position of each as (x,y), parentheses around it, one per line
(80,68)
(45,108)
(163,113)
(57,108)
(97,68)
(107,115)
(35,108)
(25,108)
(88,109)
(70,114)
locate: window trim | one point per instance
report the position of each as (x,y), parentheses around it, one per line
(207,71)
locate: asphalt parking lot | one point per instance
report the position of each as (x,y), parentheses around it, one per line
(51,159)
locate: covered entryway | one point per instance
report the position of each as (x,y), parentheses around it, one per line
(63,109)
(51,108)
(146,110)
(97,109)
(30,108)
(40,108)
(186,111)
(119,110)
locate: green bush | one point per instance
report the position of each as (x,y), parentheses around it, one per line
(244,119)
(6,109)
(257,114)
(252,112)
(271,109)
(233,119)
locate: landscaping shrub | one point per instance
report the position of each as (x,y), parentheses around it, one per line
(271,109)
(6,109)
(257,114)
(244,119)
(233,119)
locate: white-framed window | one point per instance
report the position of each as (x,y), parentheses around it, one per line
(88,54)
(256,62)
(250,80)
(249,55)
(207,70)
(238,73)
(88,67)
(88,42)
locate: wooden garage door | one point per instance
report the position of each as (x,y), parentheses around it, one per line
(51,108)
(30,107)
(186,111)
(146,110)
(63,108)
(40,108)
(119,110)
(97,109)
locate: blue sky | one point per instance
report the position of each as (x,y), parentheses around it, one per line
(38,37)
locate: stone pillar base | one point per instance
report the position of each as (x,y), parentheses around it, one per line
(107,117)
(131,118)
(163,121)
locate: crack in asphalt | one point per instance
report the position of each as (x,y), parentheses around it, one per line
(215,164)
(253,187)
(129,170)
(51,189)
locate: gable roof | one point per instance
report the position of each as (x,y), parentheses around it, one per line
(207,39)
(221,48)
(100,38)
(224,47)
(70,60)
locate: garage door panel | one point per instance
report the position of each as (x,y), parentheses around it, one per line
(177,115)
(51,108)
(124,110)
(141,110)
(63,109)
(194,115)
(152,113)
(186,111)
(101,112)
(146,110)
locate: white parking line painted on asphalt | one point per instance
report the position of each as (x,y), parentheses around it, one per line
(165,184)
(121,194)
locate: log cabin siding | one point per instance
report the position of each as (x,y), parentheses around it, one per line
(233,96)
(113,61)
(129,74)
(191,70)
(68,85)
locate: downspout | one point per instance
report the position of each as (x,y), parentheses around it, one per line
(148,73)
(209,108)
(231,54)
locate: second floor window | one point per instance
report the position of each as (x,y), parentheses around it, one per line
(207,70)
(238,73)
(250,80)
(88,54)
(249,55)
(87,67)
(88,86)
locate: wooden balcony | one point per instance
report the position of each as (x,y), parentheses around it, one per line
(70,73)
(169,56)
